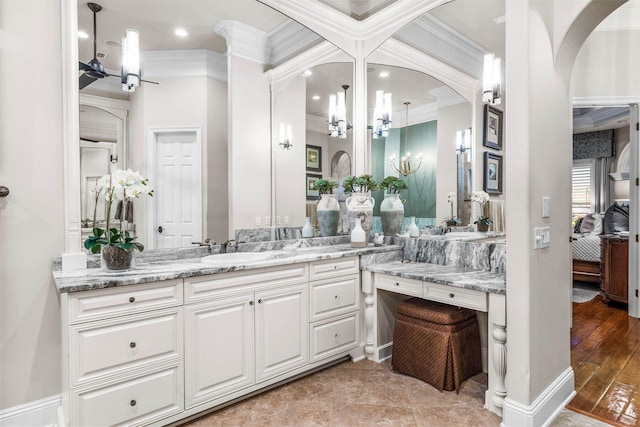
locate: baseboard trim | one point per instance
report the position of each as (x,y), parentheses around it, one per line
(545,408)
(41,412)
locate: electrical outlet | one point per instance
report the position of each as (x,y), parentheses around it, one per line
(258,221)
(278,220)
(545,237)
(285,219)
(267,220)
(536,238)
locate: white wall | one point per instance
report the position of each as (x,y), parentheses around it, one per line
(32,216)
(249,143)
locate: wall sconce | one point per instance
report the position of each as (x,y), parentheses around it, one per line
(463,140)
(338,124)
(130,75)
(491,84)
(382,115)
(285,137)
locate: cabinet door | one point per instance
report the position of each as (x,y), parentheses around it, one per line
(282,331)
(219,349)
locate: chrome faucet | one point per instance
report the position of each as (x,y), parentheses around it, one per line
(229,244)
(207,242)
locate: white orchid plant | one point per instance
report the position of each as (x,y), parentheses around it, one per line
(452,220)
(120,185)
(482,198)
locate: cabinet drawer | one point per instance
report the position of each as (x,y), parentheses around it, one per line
(461,297)
(399,285)
(335,335)
(107,303)
(336,267)
(235,283)
(141,400)
(102,348)
(334,296)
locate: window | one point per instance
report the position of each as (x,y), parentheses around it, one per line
(581,179)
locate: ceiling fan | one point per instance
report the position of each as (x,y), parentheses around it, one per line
(94,70)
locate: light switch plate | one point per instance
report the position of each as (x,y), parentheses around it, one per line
(267,220)
(258,222)
(536,238)
(546,207)
(545,237)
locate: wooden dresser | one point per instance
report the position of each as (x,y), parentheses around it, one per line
(615,268)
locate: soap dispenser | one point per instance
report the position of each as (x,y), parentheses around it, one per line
(413,229)
(307,230)
(358,236)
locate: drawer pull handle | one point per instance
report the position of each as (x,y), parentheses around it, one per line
(132,345)
(251,302)
(260,301)
(132,299)
(133,403)
(452,295)
(335,267)
(397,284)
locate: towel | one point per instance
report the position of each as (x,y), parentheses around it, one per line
(128,214)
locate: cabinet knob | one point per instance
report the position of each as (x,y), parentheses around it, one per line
(335,267)
(337,336)
(4,191)
(132,345)
(133,403)
(251,302)
(397,284)
(452,295)
(259,301)
(337,297)
(132,299)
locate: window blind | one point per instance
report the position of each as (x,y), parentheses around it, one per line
(581,190)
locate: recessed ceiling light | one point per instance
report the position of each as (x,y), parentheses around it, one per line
(181,32)
(384,74)
(82,35)
(113,43)
(315,97)
(308,73)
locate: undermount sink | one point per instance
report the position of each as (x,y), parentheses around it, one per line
(236,258)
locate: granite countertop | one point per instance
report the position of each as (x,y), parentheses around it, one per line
(144,272)
(484,281)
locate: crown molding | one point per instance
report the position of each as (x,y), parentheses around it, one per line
(287,39)
(618,101)
(317,124)
(322,53)
(184,63)
(243,40)
(396,53)
(430,35)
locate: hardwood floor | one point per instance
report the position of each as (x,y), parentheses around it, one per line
(605,355)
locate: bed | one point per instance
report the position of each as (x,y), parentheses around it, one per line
(586,257)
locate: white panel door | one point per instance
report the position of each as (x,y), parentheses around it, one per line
(219,351)
(178,195)
(282,331)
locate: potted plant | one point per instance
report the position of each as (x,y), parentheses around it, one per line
(360,203)
(483,221)
(116,244)
(328,208)
(452,221)
(392,207)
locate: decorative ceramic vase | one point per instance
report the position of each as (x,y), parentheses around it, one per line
(482,227)
(115,258)
(358,235)
(307,230)
(392,214)
(328,215)
(413,229)
(360,204)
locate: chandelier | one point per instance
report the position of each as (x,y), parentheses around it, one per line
(338,123)
(382,115)
(405,167)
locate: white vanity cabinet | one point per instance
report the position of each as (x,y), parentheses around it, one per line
(334,304)
(123,354)
(247,328)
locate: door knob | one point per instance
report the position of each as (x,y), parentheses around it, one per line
(160,229)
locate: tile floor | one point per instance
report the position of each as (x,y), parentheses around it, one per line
(367,394)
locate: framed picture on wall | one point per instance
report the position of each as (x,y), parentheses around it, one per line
(492,173)
(492,129)
(311,192)
(314,158)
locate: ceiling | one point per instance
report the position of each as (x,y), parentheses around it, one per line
(481,21)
